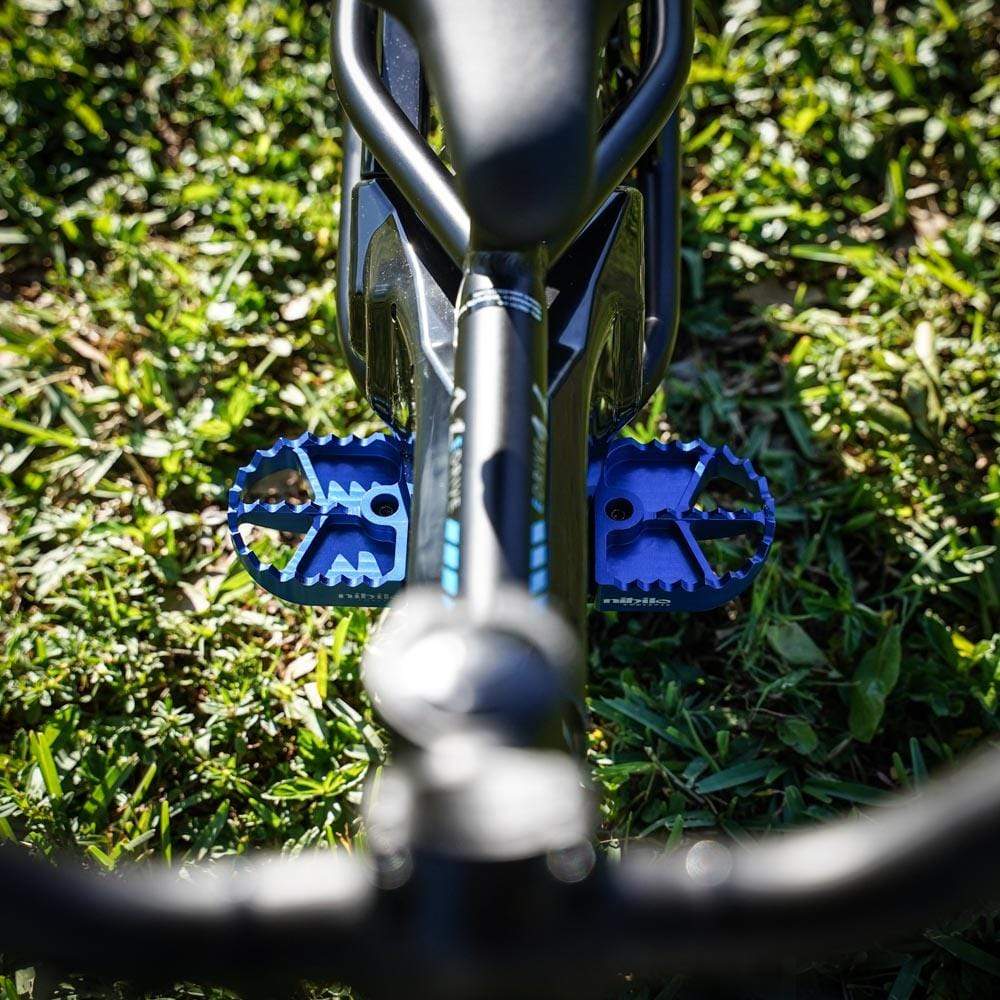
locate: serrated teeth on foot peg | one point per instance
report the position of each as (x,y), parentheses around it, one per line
(648,527)
(353,529)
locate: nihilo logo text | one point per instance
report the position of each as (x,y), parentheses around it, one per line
(636,602)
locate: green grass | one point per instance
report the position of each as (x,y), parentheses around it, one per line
(168,213)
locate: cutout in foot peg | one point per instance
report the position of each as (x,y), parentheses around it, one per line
(652,528)
(353,527)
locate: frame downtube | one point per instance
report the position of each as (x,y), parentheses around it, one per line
(496,530)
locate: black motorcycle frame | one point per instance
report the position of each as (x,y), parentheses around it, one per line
(575,371)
